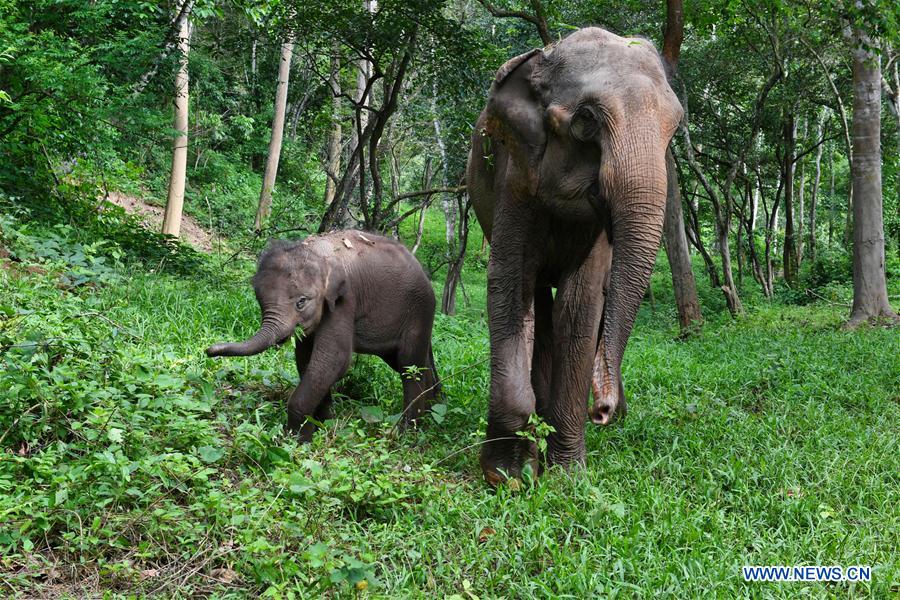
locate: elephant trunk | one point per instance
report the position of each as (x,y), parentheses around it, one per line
(636,180)
(271,332)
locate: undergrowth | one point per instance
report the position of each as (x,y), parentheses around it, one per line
(132,464)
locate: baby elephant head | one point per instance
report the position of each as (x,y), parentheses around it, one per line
(295,287)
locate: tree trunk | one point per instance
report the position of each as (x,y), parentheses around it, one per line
(363,91)
(182,15)
(683,283)
(370,136)
(427,176)
(801,210)
(771,224)
(870,297)
(814,193)
(832,208)
(333,151)
(677,251)
(789,136)
(175,200)
(455,266)
(281,90)
(448,297)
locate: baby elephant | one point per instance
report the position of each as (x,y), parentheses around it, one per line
(348,291)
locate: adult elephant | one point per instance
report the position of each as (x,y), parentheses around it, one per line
(567,175)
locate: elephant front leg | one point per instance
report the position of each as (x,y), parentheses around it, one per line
(577,310)
(511,276)
(322,359)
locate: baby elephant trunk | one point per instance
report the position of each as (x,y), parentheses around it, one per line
(269,334)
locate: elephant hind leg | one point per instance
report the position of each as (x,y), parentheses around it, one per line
(421,385)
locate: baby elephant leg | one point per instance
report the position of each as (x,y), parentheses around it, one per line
(420,380)
(321,361)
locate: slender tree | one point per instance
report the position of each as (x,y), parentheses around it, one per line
(674,238)
(175,200)
(333,148)
(789,141)
(281,90)
(814,192)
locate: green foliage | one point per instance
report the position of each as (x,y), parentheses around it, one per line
(132,459)
(538,430)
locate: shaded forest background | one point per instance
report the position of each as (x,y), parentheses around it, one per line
(763,155)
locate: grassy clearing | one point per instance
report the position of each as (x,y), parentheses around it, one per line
(133,464)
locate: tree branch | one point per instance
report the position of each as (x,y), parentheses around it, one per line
(537,19)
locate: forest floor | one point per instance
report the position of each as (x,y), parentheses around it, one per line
(151,216)
(132,464)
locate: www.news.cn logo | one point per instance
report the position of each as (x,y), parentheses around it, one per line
(833,573)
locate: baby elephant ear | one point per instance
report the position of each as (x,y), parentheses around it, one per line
(336,287)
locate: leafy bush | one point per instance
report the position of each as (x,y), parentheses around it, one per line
(832,264)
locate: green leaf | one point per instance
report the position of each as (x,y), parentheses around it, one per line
(115,435)
(617,509)
(371,414)
(210,454)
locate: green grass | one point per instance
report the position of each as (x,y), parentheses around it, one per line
(131,464)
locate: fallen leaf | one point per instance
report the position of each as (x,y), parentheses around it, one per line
(485,534)
(347,243)
(224,575)
(365,239)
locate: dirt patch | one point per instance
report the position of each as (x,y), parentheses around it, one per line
(152,218)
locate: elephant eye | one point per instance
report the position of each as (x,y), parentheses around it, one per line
(301,302)
(585,123)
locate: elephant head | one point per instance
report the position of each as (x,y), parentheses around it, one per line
(294,285)
(587,123)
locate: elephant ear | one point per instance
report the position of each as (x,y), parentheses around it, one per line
(336,287)
(515,114)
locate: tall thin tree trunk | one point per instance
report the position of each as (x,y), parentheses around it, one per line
(175,200)
(870,297)
(427,177)
(789,136)
(281,90)
(683,283)
(363,92)
(448,297)
(801,209)
(455,266)
(333,150)
(832,208)
(814,193)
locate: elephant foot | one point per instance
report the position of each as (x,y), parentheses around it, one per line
(302,427)
(567,456)
(413,415)
(503,459)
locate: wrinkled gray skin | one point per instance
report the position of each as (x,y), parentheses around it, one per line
(348,291)
(567,175)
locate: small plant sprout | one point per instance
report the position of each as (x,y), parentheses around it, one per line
(537,431)
(413,373)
